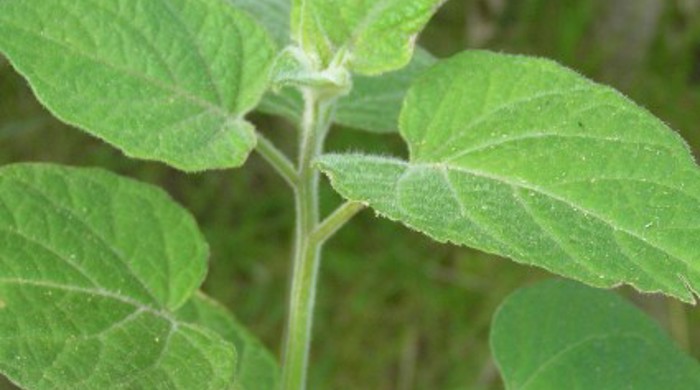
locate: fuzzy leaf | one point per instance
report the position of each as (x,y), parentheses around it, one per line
(273,14)
(374,103)
(166,80)
(523,158)
(377,35)
(563,335)
(92,267)
(257,367)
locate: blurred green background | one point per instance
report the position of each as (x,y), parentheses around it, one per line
(396,311)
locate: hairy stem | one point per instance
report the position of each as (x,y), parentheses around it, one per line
(335,221)
(307,247)
(277,160)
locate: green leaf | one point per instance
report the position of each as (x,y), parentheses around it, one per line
(374,102)
(526,159)
(167,80)
(563,335)
(92,267)
(273,14)
(374,36)
(257,367)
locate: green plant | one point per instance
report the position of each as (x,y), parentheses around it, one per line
(511,155)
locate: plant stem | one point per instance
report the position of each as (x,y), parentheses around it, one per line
(335,221)
(318,114)
(277,160)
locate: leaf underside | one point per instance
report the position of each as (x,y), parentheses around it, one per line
(563,335)
(166,80)
(92,266)
(526,159)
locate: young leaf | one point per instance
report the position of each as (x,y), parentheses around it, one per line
(523,158)
(376,36)
(563,335)
(374,103)
(92,267)
(167,80)
(257,368)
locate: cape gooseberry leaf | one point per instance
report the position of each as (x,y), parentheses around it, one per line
(92,267)
(374,102)
(257,368)
(523,158)
(376,36)
(564,335)
(273,14)
(166,80)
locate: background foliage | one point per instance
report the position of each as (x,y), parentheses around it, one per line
(395,310)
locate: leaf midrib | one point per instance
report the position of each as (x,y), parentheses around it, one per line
(543,135)
(556,197)
(118,17)
(174,89)
(96,291)
(140,309)
(373,13)
(117,254)
(53,252)
(574,346)
(546,193)
(204,65)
